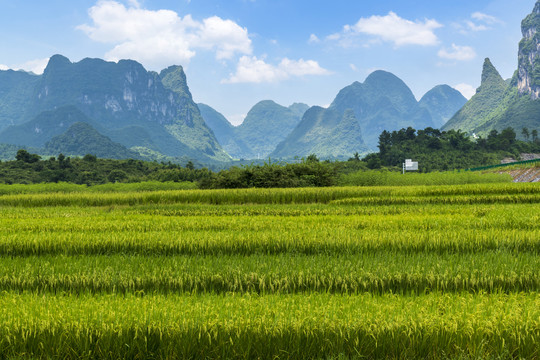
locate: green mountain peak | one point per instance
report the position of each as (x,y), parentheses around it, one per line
(174,78)
(490,76)
(476,112)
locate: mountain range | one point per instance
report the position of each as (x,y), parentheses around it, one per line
(352,123)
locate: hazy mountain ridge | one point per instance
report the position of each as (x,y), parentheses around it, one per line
(442,102)
(265,126)
(16,90)
(155,113)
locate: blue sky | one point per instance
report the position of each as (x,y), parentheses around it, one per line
(238,52)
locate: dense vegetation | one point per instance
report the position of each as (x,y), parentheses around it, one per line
(447,150)
(379,272)
(29,168)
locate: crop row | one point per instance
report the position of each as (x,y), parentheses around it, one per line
(268,242)
(375,273)
(465,194)
(271,326)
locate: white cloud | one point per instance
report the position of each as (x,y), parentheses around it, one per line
(488,19)
(460,53)
(162,37)
(3,67)
(226,36)
(313,39)
(250,69)
(479,22)
(394,29)
(353,67)
(466,90)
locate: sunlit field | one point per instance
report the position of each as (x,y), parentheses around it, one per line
(349,272)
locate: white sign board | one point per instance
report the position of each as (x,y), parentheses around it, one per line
(410,165)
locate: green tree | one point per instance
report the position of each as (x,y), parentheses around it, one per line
(25,156)
(525,133)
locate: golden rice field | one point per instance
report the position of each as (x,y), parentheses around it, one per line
(430,272)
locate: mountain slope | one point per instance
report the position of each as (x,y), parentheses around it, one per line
(442,102)
(325,133)
(382,102)
(16,90)
(192,130)
(81,139)
(42,128)
(476,112)
(224,131)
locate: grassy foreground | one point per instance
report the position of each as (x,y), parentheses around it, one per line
(379,272)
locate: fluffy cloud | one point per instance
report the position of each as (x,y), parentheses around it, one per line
(162,37)
(392,28)
(3,67)
(466,90)
(250,69)
(460,53)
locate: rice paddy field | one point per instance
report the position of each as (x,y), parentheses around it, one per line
(435,272)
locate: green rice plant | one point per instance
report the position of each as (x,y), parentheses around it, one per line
(350,272)
(267,327)
(489,193)
(379,273)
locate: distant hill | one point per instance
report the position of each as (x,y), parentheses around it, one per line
(81,139)
(325,133)
(442,102)
(265,126)
(382,102)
